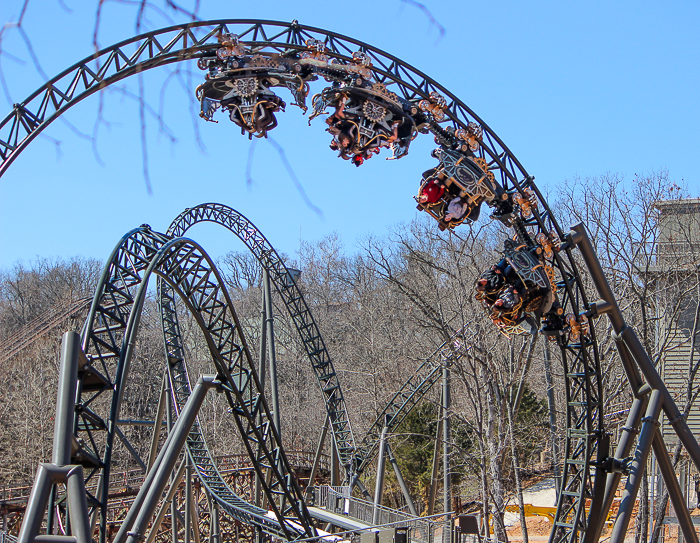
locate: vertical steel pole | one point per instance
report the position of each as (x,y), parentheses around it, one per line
(262,370)
(681,483)
(652,493)
(216,535)
(60,469)
(65,402)
(263,337)
(188,499)
(335,464)
(379,486)
(71,349)
(158,423)
(436,462)
(77,505)
(213,534)
(446,431)
(552,415)
(194,514)
(169,418)
(272,359)
(639,462)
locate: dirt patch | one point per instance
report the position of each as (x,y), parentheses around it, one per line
(535,526)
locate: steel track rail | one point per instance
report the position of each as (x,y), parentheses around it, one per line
(207,471)
(183,42)
(408,396)
(297,308)
(108,338)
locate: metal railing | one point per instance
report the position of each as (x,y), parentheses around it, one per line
(338,500)
(7,538)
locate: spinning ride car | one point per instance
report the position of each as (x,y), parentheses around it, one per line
(454,191)
(518,291)
(242,83)
(364,116)
(367,117)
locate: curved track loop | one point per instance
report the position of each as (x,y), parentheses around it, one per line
(298,311)
(207,471)
(580,359)
(108,341)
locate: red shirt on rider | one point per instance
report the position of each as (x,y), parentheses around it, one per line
(432,192)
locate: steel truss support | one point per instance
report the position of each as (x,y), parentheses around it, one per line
(197,40)
(108,338)
(635,360)
(285,284)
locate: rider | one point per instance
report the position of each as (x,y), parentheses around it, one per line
(456,209)
(431,192)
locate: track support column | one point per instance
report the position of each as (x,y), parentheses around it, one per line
(400,479)
(317,461)
(446,435)
(637,363)
(650,424)
(436,463)
(379,486)
(158,423)
(136,522)
(60,470)
(272,358)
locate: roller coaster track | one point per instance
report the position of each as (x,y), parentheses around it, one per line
(207,471)
(298,310)
(108,340)
(580,358)
(408,396)
(41,326)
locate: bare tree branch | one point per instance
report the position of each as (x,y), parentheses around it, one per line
(293,176)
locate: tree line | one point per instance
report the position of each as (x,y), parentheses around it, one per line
(383,309)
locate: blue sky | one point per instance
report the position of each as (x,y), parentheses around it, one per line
(572,88)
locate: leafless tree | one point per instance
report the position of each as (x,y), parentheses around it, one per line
(655,283)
